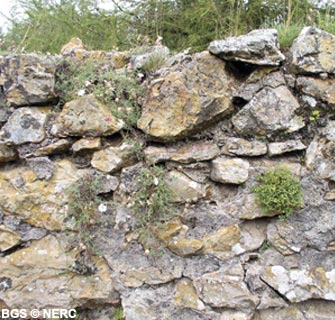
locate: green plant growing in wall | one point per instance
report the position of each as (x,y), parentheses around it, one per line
(82,204)
(153,201)
(315,115)
(278,192)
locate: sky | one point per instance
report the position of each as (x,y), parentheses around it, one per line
(5,6)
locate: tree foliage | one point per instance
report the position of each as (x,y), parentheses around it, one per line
(48,24)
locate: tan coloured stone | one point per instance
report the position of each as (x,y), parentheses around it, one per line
(87,145)
(85,116)
(242,147)
(183,189)
(25,125)
(186,154)
(186,296)
(8,238)
(72,46)
(168,230)
(222,242)
(39,202)
(112,159)
(38,277)
(7,153)
(185,247)
(185,101)
(59,146)
(230,170)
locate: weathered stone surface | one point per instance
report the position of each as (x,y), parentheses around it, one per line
(259,79)
(8,238)
(241,147)
(108,183)
(187,98)
(112,159)
(28,79)
(85,116)
(229,170)
(87,145)
(226,289)
(270,111)
(41,203)
(57,147)
(186,154)
(183,189)
(7,153)
(301,284)
(25,125)
(290,313)
(321,90)
(260,47)
(186,296)
(42,167)
(151,54)
(39,277)
(72,46)
(277,148)
(312,226)
(313,52)
(185,246)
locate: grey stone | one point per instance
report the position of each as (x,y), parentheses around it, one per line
(241,147)
(28,79)
(278,148)
(313,52)
(229,170)
(25,125)
(270,111)
(42,166)
(152,54)
(258,47)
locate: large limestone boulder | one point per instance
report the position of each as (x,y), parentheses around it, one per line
(25,125)
(313,52)
(85,116)
(41,203)
(187,98)
(28,79)
(258,47)
(39,277)
(270,111)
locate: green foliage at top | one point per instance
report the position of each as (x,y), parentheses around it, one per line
(49,24)
(152,202)
(279,192)
(118,89)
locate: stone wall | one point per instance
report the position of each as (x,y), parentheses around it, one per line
(214,121)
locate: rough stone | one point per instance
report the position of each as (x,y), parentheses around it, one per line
(182,102)
(301,284)
(185,247)
(41,203)
(270,111)
(28,79)
(87,145)
(7,153)
(112,159)
(42,270)
(186,296)
(25,125)
(187,154)
(313,52)
(321,90)
(42,167)
(57,147)
(183,189)
(241,147)
(226,289)
(8,238)
(278,148)
(85,117)
(229,170)
(258,47)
